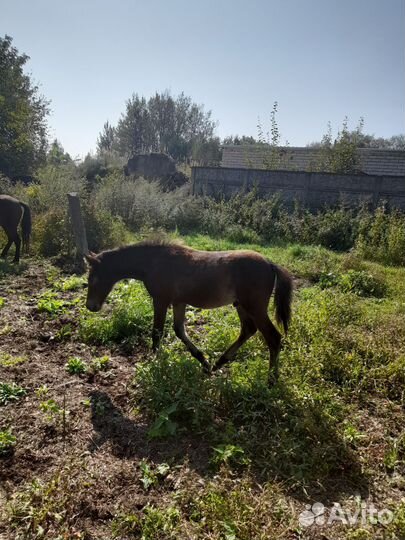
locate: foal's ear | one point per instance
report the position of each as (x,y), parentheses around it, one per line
(91,259)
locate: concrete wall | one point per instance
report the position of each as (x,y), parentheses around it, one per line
(314,190)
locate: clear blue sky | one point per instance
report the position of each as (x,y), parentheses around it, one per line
(320,59)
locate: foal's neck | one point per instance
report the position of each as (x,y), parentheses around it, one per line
(127,262)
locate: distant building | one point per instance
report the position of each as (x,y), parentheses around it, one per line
(373,161)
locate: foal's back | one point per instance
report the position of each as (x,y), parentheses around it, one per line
(210,278)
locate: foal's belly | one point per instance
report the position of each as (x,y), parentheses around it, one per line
(207,299)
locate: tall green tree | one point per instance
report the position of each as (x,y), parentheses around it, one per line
(23,111)
(57,156)
(106,141)
(162,123)
(341,155)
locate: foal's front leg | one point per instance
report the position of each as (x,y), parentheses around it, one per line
(247,330)
(159,318)
(179,312)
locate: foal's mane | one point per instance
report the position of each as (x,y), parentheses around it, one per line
(158,241)
(152,241)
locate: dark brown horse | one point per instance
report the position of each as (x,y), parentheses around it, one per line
(178,275)
(12,212)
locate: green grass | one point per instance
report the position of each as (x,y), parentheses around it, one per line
(50,304)
(10,361)
(345,348)
(125,319)
(72,283)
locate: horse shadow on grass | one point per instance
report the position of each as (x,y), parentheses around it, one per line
(130,439)
(284,441)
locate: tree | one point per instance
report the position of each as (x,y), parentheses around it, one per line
(162,123)
(365,140)
(396,142)
(341,155)
(207,152)
(239,140)
(107,139)
(57,155)
(23,111)
(133,128)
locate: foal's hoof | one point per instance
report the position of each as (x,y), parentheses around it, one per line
(220,363)
(272,381)
(207,369)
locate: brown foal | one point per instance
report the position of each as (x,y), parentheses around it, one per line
(177,275)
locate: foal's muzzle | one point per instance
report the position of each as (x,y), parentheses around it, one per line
(91,306)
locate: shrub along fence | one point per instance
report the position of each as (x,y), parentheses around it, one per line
(312,190)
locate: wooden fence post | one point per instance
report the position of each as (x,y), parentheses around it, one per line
(79,228)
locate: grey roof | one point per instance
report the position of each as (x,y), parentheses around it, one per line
(373,161)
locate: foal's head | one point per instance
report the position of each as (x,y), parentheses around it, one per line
(100,283)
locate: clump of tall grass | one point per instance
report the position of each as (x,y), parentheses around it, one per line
(126,320)
(381,237)
(144,205)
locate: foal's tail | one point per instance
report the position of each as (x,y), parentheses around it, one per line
(26,225)
(283,296)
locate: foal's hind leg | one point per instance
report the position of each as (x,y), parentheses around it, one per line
(179,312)
(159,318)
(10,240)
(273,339)
(248,329)
(6,248)
(17,242)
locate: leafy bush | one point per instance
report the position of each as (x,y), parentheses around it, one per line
(142,204)
(75,366)
(334,229)
(382,237)
(100,363)
(49,193)
(230,455)
(362,283)
(10,392)
(103,230)
(51,233)
(358,282)
(49,303)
